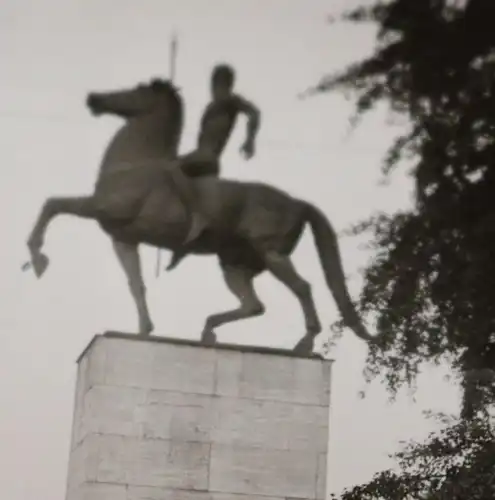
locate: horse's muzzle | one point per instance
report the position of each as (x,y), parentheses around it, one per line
(95,104)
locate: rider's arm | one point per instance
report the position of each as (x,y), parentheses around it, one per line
(253,117)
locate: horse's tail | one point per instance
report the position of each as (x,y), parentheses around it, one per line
(328,251)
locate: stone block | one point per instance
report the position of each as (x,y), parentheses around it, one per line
(268,424)
(145,493)
(261,471)
(157,462)
(259,376)
(101,491)
(177,368)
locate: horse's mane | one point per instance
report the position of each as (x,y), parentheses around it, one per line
(173,94)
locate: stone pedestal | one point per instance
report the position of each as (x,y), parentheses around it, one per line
(160,419)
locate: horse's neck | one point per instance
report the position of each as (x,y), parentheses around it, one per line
(143,138)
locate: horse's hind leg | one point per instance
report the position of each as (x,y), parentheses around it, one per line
(79,206)
(128,256)
(283,269)
(240,282)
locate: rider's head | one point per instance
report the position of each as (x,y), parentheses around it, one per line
(222,80)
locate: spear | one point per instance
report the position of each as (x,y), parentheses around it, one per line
(171,70)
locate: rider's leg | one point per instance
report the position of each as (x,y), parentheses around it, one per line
(195,164)
(186,192)
(185,189)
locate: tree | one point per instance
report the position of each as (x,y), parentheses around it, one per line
(454,464)
(430,285)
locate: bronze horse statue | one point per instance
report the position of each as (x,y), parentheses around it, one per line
(254,227)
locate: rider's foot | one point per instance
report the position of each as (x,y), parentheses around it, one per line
(39,262)
(198,225)
(177,257)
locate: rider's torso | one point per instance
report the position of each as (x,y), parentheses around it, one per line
(217,124)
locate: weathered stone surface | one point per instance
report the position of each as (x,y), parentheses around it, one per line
(159,421)
(260,471)
(258,376)
(269,424)
(166,367)
(101,491)
(83,463)
(135,412)
(110,410)
(321,478)
(177,416)
(145,493)
(131,461)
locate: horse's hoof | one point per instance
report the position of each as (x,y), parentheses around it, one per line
(177,257)
(146,329)
(305,346)
(34,243)
(39,264)
(314,329)
(208,338)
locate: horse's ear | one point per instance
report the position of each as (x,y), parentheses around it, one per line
(158,84)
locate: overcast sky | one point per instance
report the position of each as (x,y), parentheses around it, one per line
(53,52)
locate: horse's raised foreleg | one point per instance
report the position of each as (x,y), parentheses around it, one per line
(79,206)
(128,256)
(282,268)
(240,282)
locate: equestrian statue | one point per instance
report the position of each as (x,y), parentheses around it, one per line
(145,193)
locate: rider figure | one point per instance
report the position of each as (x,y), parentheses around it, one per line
(217,124)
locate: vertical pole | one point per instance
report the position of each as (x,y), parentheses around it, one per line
(173,56)
(171,71)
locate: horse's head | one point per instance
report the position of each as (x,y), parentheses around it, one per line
(143,99)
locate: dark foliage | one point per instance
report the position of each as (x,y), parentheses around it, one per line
(454,464)
(431,283)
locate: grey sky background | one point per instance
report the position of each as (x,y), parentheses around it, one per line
(54,52)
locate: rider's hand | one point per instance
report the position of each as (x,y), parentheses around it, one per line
(248,149)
